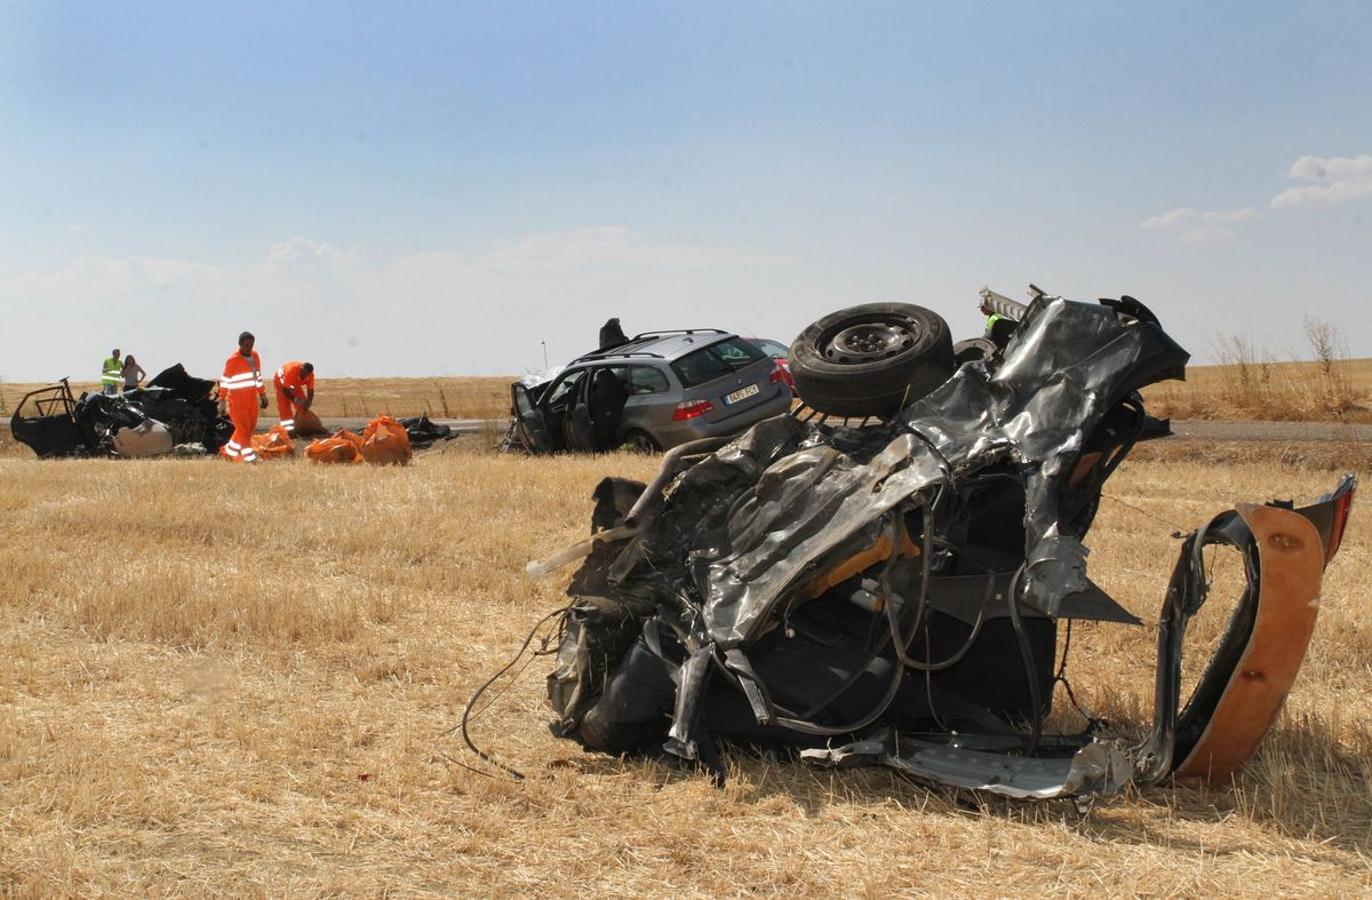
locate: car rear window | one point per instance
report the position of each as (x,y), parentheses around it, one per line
(646,380)
(709,363)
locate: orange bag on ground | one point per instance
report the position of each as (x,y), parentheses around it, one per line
(343,447)
(307,424)
(385,442)
(275,444)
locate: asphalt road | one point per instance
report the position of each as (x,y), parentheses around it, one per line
(1281,432)
(459,426)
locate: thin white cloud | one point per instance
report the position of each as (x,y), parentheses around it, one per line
(1335,179)
(1195,226)
(115,278)
(300,250)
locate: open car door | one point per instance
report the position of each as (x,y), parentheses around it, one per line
(45,421)
(529,420)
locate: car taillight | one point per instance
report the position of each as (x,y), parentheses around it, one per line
(778,375)
(1342,505)
(691,409)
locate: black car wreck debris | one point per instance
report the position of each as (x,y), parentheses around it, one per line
(893,594)
(174,412)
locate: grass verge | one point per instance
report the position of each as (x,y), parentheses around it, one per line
(230,680)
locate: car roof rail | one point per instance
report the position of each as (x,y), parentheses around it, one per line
(671,331)
(645,336)
(609,353)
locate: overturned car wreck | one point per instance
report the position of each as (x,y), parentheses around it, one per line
(893,594)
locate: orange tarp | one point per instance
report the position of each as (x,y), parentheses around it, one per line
(275,444)
(385,442)
(343,447)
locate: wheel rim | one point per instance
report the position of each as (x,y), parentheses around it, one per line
(640,443)
(875,339)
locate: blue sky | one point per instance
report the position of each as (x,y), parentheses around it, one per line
(416,188)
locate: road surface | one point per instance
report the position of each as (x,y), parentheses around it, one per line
(1281,432)
(459,426)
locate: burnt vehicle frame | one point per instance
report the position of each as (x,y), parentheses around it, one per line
(779,590)
(54,423)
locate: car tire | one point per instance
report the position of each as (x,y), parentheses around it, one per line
(974,348)
(640,442)
(872,359)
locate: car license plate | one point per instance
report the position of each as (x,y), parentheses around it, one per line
(741,394)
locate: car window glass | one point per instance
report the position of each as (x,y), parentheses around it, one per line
(699,367)
(737,353)
(559,391)
(647,380)
(716,360)
(522,405)
(772,349)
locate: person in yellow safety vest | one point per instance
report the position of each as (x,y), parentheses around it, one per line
(999,329)
(111,373)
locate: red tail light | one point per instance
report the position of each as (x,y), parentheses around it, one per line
(691,410)
(1342,505)
(778,375)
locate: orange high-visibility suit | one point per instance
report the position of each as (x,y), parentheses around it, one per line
(293,387)
(241,386)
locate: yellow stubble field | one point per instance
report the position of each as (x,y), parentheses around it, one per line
(457,397)
(221,679)
(1262,391)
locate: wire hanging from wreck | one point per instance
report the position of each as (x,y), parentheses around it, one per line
(464,723)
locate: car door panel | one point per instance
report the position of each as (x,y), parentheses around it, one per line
(529,421)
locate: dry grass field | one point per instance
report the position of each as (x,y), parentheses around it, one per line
(1269,391)
(1266,391)
(230,680)
(447,398)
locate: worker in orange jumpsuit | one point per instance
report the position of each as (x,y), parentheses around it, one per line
(294,383)
(242,391)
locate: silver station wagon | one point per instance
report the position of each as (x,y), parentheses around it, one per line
(653,392)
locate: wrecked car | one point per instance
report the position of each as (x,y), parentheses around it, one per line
(655,391)
(174,410)
(892,593)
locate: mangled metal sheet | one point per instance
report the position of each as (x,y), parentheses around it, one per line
(782,496)
(1100,768)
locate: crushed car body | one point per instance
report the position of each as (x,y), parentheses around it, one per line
(892,594)
(174,411)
